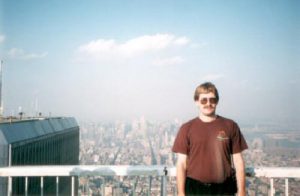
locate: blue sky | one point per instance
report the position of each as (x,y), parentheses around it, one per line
(119,60)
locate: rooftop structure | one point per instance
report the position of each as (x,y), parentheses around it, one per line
(38,141)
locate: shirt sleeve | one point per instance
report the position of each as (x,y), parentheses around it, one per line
(181,143)
(238,141)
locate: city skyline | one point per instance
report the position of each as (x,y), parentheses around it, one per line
(119,60)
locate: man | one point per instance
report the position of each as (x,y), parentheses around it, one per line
(206,146)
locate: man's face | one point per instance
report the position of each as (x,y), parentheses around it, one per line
(207,103)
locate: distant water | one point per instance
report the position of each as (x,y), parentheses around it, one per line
(270,142)
(288,144)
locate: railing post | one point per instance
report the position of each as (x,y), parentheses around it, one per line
(103,186)
(164,186)
(133,188)
(57,186)
(42,186)
(72,185)
(164,182)
(149,186)
(9,191)
(88,187)
(26,186)
(286,187)
(272,190)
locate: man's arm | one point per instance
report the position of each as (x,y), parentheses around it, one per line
(181,173)
(240,173)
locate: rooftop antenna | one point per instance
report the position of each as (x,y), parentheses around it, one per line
(1,101)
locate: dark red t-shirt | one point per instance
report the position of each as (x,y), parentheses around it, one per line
(208,147)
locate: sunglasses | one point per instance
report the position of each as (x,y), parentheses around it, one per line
(211,100)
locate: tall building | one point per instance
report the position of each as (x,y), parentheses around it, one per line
(40,141)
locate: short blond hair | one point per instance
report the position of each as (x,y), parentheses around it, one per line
(204,88)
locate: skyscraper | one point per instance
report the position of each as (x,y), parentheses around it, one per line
(42,141)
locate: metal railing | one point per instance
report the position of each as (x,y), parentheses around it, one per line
(125,170)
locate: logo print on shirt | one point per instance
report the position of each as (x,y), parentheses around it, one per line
(222,136)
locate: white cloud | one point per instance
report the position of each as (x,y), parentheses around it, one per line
(213,77)
(109,49)
(2,38)
(16,53)
(98,47)
(169,61)
(145,44)
(182,41)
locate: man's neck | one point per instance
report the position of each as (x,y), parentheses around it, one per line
(209,118)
